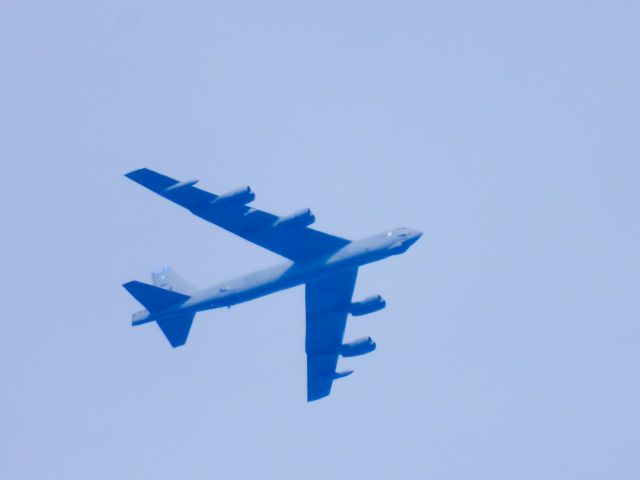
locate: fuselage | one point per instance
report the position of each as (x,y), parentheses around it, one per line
(290,274)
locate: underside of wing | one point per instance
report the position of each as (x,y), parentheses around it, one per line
(289,236)
(328,301)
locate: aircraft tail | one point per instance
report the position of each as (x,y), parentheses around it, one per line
(154,298)
(176,328)
(169,280)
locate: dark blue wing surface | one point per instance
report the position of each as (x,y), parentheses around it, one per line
(295,242)
(327,303)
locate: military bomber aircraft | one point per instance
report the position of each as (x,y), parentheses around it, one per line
(327,265)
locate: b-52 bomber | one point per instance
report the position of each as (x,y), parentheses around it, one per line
(327,265)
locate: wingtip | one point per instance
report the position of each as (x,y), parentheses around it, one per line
(313,398)
(133,173)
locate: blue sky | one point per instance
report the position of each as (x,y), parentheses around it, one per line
(508,132)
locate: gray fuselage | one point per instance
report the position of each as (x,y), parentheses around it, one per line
(289,274)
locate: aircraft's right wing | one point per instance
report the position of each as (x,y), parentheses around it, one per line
(327,302)
(288,236)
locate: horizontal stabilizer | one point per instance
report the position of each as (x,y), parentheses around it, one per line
(176,329)
(154,298)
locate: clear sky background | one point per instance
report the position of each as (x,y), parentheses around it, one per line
(508,131)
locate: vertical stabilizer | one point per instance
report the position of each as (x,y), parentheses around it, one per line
(170,280)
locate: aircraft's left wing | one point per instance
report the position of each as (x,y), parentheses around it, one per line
(328,301)
(289,236)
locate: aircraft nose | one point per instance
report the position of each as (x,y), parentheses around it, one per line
(413,237)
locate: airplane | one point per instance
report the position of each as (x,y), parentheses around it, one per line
(326,264)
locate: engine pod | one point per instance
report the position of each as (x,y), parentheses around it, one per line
(240,196)
(359,347)
(368,305)
(301,218)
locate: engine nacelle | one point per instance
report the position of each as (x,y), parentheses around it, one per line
(301,218)
(368,305)
(359,347)
(241,196)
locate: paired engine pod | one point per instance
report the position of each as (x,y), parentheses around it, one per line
(368,305)
(358,347)
(241,196)
(301,218)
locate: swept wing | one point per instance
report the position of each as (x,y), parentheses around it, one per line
(328,301)
(287,236)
